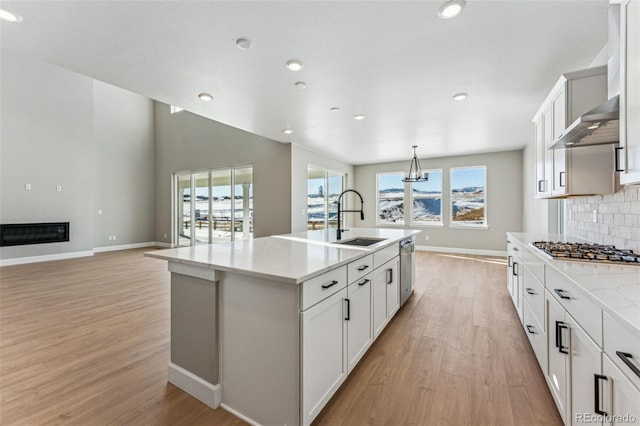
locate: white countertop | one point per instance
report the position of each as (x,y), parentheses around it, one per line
(614,287)
(291,258)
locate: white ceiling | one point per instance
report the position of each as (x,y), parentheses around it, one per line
(393,61)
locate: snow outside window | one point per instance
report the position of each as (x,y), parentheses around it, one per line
(469,196)
(426,200)
(390,198)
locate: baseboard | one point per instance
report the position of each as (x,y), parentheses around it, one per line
(239,415)
(163,245)
(124,247)
(463,251)
(195,386)
(45,258)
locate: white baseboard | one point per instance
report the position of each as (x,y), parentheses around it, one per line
(195,386)
(124,247)
(45,258)
(163,245)
(239,415)
(463,251)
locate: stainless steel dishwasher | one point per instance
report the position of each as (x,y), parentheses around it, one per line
(407,269)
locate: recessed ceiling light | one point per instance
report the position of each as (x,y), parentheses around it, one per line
(451,9)
(205,97)
(358,117)
(335,109)
(300,84)
(294,65)
(287,131)
(460,96)
(5,15)
(243,43)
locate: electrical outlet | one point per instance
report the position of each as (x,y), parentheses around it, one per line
(114,238)
(426,238)
(59,188)
(109,237)
(165,235)
(99,211)
(27,187)
(595,216)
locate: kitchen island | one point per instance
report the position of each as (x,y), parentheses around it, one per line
(269,328)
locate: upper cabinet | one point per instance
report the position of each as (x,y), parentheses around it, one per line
(629,155)
(564,172)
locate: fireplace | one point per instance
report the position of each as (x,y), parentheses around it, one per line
(17,234)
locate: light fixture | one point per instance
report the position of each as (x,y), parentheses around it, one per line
(243,43)
(205,97)
(335,109)
(415,171)
(287,131)
(451,9)
(5,15)
(460,96)
(358,117)
(294,65)
(300,84)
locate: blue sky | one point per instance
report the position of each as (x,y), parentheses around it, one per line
(460,178)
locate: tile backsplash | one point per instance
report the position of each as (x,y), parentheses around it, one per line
(617,218)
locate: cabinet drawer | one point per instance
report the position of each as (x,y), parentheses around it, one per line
(359,268)
(617,339)
(574,301)
(384,255)
(534,263)
(320,287)
(536,334)
(534,294)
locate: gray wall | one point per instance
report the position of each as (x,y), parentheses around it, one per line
(61,128)
(189,142)
(618,218)
(504,199)
(301,158)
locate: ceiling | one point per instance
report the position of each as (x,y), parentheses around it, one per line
(395,62)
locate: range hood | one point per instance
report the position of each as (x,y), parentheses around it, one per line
(599,126)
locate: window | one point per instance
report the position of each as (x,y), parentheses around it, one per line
(220,210)
(323,189)
(468,196)
(426,200)
(390,198)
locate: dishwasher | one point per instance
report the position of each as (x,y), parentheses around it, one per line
(407,269)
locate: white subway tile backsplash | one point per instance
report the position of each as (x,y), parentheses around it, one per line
(618,219)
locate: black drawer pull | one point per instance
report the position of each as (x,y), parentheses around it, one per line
(363,267)
(559,327)
(510,261)
(515,249)
(616,159)
(331,284)
(596,394)
(626,358)
(530,291)
(530,329)
(559,292)
(514,272)
(348,317)
(363,282)
(390,276)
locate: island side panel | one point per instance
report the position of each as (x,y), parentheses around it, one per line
(260,347)
(194,326)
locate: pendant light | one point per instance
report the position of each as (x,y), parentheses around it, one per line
(415,171)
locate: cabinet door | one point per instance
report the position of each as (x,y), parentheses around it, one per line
(379,303)
(558,351)
(548,153)
(392,269)
(559,104)
(540,157)
(586,363)
(324,361)
(630,91)
(359,329)
(622,398)
(517,285)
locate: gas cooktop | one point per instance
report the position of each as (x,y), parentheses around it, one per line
(587,252)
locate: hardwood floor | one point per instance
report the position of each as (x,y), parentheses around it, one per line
(86,341)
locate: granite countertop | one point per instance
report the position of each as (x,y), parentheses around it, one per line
(291,258)
(613,287)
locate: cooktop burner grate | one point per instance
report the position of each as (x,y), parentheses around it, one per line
(587,252)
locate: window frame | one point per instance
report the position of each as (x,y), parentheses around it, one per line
(326,223)
(440,223)
(462,225)
(404,201)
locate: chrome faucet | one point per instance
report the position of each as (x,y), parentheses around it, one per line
(339,231)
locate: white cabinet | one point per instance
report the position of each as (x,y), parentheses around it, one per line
(386,294)
(515,282)
(621,399)
(324,343)
(358,318)
(392,275)
(558,353)
(630,91)
(582,171)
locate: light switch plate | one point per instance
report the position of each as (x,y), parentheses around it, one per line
(27,187)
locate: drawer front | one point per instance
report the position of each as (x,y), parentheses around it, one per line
(534,294)
(359,268)
(537,336)
(585,312)
(319,288)
(619,343)
(534,263)
(384,255)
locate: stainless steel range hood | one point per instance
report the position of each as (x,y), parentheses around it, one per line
(600,126)
(596,127)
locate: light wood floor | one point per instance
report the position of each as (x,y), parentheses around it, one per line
(86,342)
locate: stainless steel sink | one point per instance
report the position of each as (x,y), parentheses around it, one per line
(360,241)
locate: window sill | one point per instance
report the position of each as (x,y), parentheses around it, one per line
(393,225)
(480,227)
(427,225)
